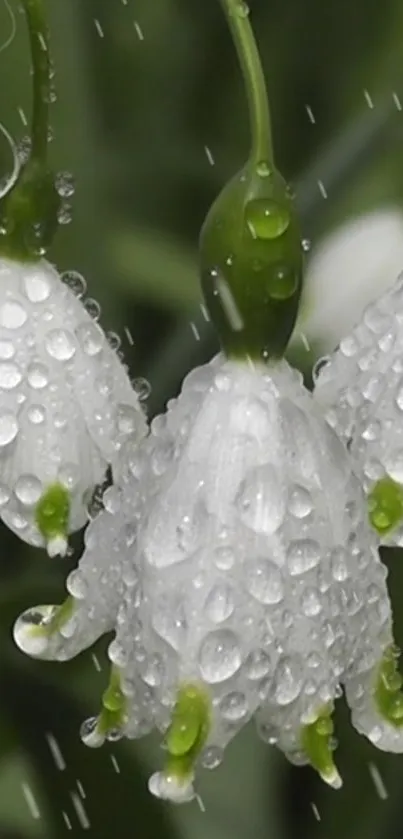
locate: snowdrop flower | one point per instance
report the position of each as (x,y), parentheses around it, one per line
(66,405)
(347,270)
(248,583)
(361,388)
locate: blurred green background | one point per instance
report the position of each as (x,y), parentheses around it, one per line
(151,119)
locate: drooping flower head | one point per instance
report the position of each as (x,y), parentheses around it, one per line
(66,402)
(237,566)
(361,389)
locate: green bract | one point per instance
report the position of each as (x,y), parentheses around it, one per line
(251,264)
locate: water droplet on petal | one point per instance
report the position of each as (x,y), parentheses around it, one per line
(211,757)
(38,375)
(287,681)
(8,427)
(92,308)
(219,656)
(10,375)
(77,585)
(91,338)
(37,287)
(7,350)
(261,500)
(234,706)
(219,603)
(75,281)
(28,490)
(36,414)
(257,665)
(302,555)
(264,581)
(300,502)
(12,315)
(60,344)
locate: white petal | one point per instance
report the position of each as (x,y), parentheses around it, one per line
(348,270)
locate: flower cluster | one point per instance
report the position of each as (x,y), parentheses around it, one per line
(236,555)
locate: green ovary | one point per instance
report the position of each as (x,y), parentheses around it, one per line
(52,512)
(385,505)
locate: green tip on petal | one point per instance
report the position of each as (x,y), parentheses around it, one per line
(251,264)
(385,505)
(316,743)
(52,515)
(188,731)
(388,695)
(111,719)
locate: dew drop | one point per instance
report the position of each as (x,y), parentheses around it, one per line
(36,414)
(8,428)
(12,315)
(10,376)
(234,706)
(219,603)
(37,375)
(142,388)
(127,419)
(287,681)
(224,558)
(91,338)
(90,735)
(219,656)
(60,345)
(7,350)
(77,585)
(92,308)
(28,640)
(310,603)
(300,502)
(263,169)
(75,281)
(302,555)
(257,665)
(260,500)
(211,757)
(264,581)
(266,219)
(64,183)
(37,287)
(283,282)
(28,490)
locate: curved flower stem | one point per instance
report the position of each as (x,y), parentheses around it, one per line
(237,14)
(42,84)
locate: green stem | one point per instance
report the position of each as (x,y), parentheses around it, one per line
(237,14)
(42,85)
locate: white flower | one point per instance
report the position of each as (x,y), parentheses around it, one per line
(361,388)
(251,586)
(66,405)
(347,270)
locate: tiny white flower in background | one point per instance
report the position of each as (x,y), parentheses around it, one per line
(66,402)
(361,388)
(348,269)
(243,580)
